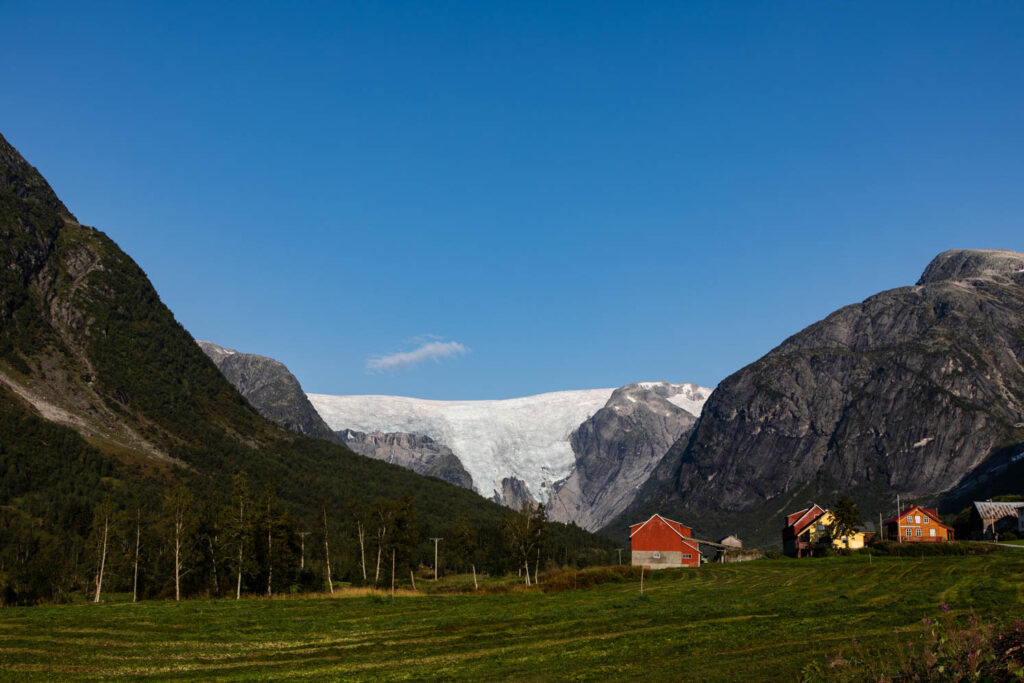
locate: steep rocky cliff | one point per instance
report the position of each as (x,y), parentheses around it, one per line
(271,389)
(619,446)
(915,390)
(416,452)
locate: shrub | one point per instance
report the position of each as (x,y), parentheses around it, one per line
(948,650)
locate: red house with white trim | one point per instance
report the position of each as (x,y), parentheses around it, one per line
(661,543)
(918,525)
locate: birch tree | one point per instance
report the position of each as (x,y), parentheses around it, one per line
(522,532)
(327,547)
(239,527)
(273,528)
(102,527)
(179,518)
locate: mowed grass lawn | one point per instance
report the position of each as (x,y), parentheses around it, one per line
(759,620)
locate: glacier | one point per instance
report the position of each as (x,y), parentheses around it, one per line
(526,438)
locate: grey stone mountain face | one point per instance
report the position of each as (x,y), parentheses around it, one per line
(616,451)
(271,389)
(911,390)
(416,452)
(513,493)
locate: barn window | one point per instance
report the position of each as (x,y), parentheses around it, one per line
(657,555)
(931,532)
(910,532)
(910,519)
(926,519)
(917,532)
(687,556)
(917,519)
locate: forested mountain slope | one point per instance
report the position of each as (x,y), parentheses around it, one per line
(104,394)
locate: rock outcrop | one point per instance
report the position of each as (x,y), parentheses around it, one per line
(416,452)
(513,494)
(618,448)
(271,389)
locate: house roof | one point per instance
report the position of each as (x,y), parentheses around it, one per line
(990,510)
(673,525)
(931,512)
(800,520)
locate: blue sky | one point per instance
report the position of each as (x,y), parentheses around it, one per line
(539,196)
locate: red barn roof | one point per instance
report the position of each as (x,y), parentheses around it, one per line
(659,533)
(800,520)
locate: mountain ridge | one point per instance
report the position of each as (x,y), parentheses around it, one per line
(909,391)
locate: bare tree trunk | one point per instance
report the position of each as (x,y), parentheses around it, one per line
(327,554)
(135,570)
(392,573)
(177,558)
(376,577)
(362,548)
(213,561)
(270,561)
(536,567)
(302,546)
(270,551)
(412,577)
(241,543)
(527,563)
(103,558)
(475,587)
(238,587)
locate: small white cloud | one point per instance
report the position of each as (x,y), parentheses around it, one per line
(435,351)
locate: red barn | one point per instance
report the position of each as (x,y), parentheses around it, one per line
(918,525)
(660,543)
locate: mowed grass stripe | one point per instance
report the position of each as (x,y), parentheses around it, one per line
(764,619)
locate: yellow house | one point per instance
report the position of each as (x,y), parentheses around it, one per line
(812,527)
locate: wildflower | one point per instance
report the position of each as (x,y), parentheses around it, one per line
(927,622)
(944,607)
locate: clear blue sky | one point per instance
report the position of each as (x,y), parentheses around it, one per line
(578,194)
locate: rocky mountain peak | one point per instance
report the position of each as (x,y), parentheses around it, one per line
(967,264)
(270,388)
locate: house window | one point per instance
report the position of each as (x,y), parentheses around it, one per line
(917,519)
(821,527)
(917,532)
(927,519)
(687,556)
(910,520)
(657,555)
(931,532)
(910,532)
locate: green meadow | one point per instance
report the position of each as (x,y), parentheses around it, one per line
(758,620)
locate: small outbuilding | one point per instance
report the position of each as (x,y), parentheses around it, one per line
(731,542)
(988,519)
(661,543)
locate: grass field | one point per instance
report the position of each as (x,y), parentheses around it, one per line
(759,620)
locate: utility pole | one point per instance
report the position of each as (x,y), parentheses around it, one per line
(620,555)
(899,511)
(436,541)
(302,544)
